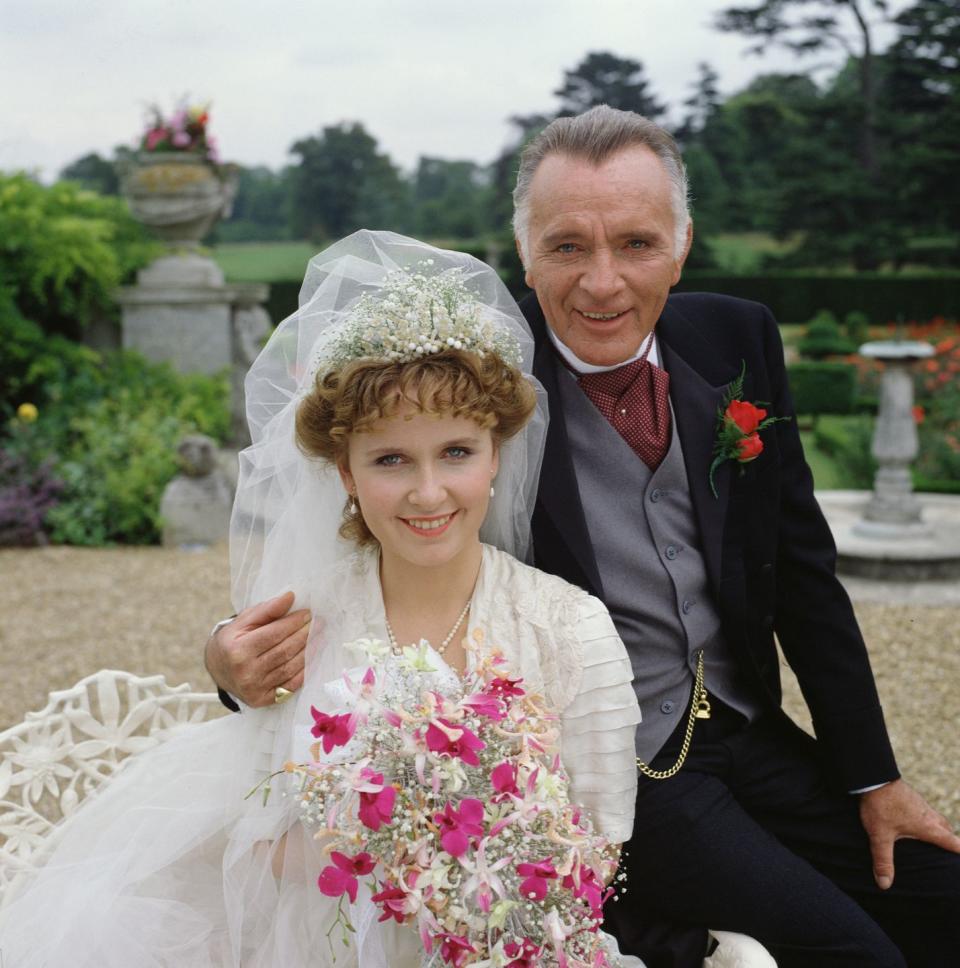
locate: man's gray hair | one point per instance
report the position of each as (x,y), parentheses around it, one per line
(597,135)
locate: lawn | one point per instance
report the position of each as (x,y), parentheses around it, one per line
(264,261)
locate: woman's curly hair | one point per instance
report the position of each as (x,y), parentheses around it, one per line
(353,398)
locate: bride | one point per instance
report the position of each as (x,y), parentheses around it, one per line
(396,444)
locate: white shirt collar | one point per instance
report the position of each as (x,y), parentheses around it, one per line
(579,366)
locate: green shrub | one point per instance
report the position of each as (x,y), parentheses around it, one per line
(847,440)
(857,327)
(63,250)
(823,338)
(937,466)
(35,366)
(796,296)
(110,427)
(820,387)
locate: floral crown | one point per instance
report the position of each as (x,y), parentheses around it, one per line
(415,315)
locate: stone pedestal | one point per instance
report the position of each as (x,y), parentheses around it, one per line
(893,512)
(181,311)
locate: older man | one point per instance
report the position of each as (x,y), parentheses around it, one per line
(743,822)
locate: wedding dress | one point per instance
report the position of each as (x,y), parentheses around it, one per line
(173,864)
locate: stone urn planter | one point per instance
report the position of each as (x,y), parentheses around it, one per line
(178,195)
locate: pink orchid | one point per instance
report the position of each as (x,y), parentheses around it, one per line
(503,687)
(393,900)
(503,777)
(454,948)
(523,954)
(334,730)
(587,886)
(536,876)
(181,139)
(341,876)
(459,825)
(449,740)
(483,704)
(376,799)
(484,881)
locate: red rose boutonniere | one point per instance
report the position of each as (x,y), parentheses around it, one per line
(738,429)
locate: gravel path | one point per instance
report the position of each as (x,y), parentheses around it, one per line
(67,612)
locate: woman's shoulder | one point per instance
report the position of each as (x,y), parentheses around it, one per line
(555,597)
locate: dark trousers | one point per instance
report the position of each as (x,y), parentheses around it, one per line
(747,837)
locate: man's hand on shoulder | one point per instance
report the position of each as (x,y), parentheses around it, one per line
(262,648)
(896,811)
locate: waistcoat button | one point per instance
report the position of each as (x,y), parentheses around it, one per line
(655,495)
(667,706)
(671,552)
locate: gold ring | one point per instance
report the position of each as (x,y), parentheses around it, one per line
(281,695)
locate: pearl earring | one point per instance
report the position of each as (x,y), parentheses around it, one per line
(492,491)
(353,504)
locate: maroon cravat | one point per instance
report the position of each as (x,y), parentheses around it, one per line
(635,399)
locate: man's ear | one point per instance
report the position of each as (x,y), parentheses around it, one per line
(683,257)
(527,276)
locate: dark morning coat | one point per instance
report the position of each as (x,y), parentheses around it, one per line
(769,552)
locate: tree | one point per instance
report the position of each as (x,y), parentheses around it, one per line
(604,78)
(94,173)
(831,23)
(923,117)
(342,183)
(702,105)
(449,198)
(261,209)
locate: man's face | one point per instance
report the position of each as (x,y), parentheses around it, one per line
(600,250)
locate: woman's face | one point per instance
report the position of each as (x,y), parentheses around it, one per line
(423,484)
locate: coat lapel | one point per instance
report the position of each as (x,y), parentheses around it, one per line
(698,380)
(559,493)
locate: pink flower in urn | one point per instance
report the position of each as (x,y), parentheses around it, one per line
(376,800)
(332,730)
(393,901)
(448,740)
(503,778)
(154,137)
(458,826)
(181,139)
(341,876)
(455,949)
(534,885)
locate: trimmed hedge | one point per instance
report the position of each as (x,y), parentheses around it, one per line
(794,298)
(823,387)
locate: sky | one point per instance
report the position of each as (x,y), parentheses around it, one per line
(425,77)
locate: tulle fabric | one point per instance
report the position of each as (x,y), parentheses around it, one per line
(173,865)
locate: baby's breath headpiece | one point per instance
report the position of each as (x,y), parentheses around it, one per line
(416,314)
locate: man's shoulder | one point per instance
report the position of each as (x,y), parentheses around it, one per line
(527,581)
(724,321)
(714,304)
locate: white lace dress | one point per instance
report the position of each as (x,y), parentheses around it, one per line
(172,866)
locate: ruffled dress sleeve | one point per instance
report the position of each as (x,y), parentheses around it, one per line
(598,725)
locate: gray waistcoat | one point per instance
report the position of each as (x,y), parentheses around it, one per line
(645,538)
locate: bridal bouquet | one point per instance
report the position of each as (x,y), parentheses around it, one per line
(452,809)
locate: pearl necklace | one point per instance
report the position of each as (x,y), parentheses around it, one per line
(443,645)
